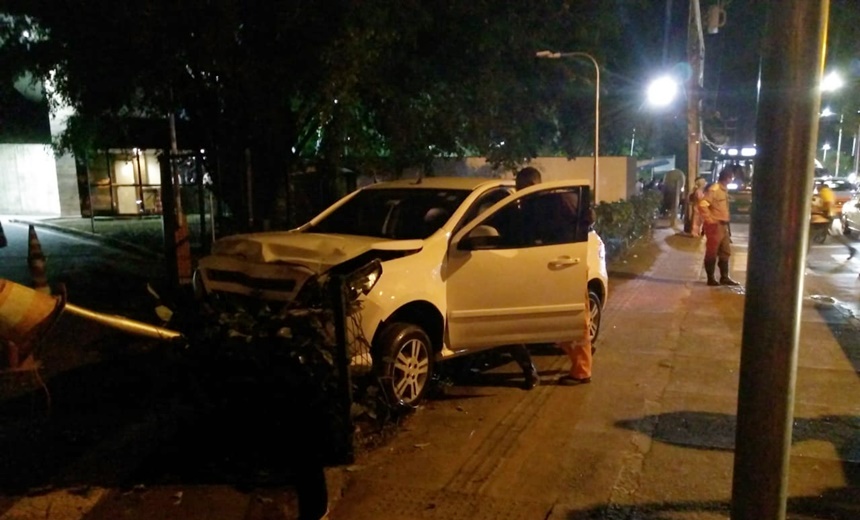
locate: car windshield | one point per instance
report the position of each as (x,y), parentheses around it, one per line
(397,213)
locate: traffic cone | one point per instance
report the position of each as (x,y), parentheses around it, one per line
(36,262)
(3,242)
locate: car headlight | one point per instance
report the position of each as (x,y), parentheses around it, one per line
(362,280)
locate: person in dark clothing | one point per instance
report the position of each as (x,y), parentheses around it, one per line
(526,177)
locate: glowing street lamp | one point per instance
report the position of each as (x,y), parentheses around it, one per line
(557,55)
(825,148)
(662,91)
(831,82)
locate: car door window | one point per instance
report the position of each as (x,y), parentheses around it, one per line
(542,218)
(483,203)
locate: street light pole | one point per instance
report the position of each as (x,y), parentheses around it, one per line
(832,82)
(857,152)
(838,147)
(558,55)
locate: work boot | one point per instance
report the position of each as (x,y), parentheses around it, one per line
(709,270)
(524,359)
(724,274)
(532,378)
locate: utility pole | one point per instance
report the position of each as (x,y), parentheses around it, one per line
(696,57)
(176,237)
(789,112)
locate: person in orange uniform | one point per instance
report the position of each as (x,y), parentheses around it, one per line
(828,203)
(714,208)
(580,355)
(695,197)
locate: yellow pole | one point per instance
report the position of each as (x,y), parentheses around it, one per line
(137,328)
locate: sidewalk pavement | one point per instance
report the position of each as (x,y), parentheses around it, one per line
(651,437)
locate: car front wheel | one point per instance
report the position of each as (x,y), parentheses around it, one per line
(404,363)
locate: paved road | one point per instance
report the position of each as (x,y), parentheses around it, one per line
(96,275)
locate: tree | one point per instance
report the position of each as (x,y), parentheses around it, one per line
(277,87)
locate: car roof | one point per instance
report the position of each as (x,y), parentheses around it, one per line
(834,181)
(450,183)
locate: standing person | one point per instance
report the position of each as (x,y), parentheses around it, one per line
(695,197)
(579,352)
(828,202)
(673,186)
(714,207)
(526,177)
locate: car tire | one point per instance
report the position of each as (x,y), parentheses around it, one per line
(404,363)
(595,307)
(845,229)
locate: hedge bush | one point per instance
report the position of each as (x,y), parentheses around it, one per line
(622,222)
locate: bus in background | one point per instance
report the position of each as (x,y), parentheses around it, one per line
(740,191)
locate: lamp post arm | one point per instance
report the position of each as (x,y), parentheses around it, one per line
(577,54)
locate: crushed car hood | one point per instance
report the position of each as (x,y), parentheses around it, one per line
(314,251)
(276,266)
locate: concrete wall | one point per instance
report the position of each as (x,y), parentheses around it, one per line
(67,183)
(28,180)
(616,176)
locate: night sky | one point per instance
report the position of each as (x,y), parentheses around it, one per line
(657,43)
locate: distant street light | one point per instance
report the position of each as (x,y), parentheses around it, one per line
(556,55)
(825,148)
(831,82)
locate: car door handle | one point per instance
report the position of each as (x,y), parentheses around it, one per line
(564,261)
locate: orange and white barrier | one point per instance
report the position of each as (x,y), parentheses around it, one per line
(25,316)
(25,313)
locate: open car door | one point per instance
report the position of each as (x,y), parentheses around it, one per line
(518,273)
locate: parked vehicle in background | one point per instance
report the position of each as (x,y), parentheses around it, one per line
(851,215)
(843,189)
(439,267)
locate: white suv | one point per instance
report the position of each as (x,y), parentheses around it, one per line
(454,266)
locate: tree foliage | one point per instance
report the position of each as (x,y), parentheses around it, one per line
(372,86)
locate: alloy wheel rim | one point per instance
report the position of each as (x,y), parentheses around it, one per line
(594,322)
(411,367)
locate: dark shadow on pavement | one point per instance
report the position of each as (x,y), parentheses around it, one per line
(845,328)
(715,431)
(140,418)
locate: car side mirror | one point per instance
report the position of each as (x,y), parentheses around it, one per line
(482,237)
